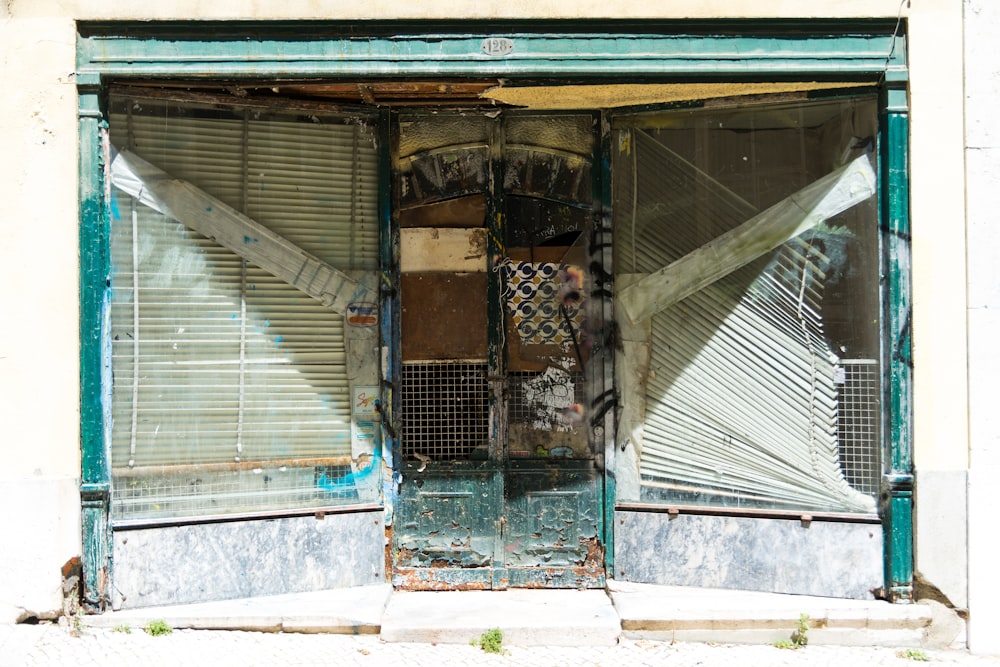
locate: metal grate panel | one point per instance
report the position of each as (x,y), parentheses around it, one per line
(858,424)
(445,410)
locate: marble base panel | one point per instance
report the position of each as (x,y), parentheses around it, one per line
(825,558)
(242,559)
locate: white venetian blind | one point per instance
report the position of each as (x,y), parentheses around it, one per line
(741,396)
(214,359)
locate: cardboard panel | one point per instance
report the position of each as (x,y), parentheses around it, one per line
(424,250)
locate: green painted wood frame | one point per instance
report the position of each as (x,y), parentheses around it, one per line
(95,353)
(869,50)
(897,359)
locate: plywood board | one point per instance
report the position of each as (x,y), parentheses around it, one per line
(443,316)
(468,211)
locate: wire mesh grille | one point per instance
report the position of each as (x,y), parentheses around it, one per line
(445,410)
(201,492)
(858,424)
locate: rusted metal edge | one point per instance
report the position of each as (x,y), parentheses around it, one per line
(445,579)
(164,91)
(843,517)
(318,512)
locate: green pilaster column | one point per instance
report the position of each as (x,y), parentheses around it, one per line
(95,357)
(897,486)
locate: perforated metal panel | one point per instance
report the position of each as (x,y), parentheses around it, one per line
(857,424)
(445,410)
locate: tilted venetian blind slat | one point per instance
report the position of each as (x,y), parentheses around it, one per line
(232,363)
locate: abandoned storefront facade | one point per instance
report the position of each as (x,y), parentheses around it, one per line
(493,295)
(490,305)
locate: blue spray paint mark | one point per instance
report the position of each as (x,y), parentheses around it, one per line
(114,208)
(350,482)
(279,339)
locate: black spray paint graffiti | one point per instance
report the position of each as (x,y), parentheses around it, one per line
(603,336)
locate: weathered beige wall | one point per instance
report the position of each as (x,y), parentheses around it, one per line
(982,94)
(937,204)
(937,194)
(39,342)
(446,9)
(39,347)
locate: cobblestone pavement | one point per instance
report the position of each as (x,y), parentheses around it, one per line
(52,644)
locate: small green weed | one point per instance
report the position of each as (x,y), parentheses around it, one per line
(913,654)
(157,628)
(799,638)
(127,629)
(491,641)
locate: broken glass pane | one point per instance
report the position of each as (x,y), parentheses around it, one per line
(442,156)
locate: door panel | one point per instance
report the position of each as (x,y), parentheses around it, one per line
(446,533)
(551,536)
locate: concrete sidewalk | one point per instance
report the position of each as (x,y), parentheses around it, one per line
(56,645)
(566,617)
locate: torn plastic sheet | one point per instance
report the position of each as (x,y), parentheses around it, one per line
(819,201)
(214,219)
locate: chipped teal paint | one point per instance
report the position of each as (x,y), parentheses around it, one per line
(590,49)
(95,357)
(897,357)
(553,524)
(449,534)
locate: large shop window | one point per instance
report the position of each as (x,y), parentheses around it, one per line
(747,266)
(244,248)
